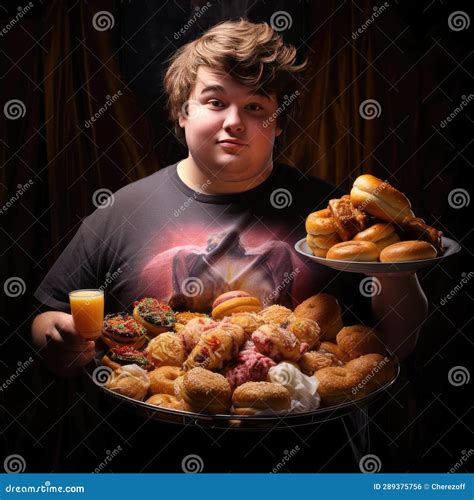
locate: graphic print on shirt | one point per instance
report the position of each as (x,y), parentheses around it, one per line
(191,276)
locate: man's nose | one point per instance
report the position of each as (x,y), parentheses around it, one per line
(233,119)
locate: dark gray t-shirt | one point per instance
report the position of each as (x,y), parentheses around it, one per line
(158,238)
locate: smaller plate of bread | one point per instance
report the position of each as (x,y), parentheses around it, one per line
(373,229)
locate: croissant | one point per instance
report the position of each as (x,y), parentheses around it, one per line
(215,347)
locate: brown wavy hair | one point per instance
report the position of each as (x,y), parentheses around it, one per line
(252,54)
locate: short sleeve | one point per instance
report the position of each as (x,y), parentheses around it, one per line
(76,268)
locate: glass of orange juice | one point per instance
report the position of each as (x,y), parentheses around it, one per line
(87,308)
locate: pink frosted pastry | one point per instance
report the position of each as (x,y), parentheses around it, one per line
(250,366)
(278,343)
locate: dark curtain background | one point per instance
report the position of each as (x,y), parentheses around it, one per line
(63,70)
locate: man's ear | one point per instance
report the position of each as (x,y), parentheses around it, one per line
(278,131)
(181,120)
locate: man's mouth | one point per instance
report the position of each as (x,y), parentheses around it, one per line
(233,142)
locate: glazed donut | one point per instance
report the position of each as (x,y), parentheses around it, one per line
(278,343)
(382,234)
(167,349)
(336,384)
(274,314)
(204,391)
(357,340)
(357,251)
(155,316)
(380,199)
(404,251)
(375,369)
(234,302)
(306,330)
(312,361)
(130,381)
(320,245)
(252,397)
(162,379)
(167,401)
(322,233)
(320,222)
(325,310)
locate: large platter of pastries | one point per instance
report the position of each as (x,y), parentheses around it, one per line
(373,229)
(243,365)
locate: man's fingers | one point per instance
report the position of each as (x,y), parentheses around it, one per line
(87,346)
(78,359)
(72,338)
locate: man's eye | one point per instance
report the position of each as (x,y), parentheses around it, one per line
(215,103)
(254,106)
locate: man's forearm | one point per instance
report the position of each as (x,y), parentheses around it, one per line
(399,311)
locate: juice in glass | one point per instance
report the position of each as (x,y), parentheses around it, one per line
(87,308)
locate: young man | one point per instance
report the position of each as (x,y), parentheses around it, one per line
(223,218)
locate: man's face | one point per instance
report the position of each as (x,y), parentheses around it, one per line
(220,109)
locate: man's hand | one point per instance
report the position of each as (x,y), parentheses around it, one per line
(59,344)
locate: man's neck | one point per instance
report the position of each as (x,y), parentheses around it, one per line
(198,181)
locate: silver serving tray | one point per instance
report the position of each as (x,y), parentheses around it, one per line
(239,422)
